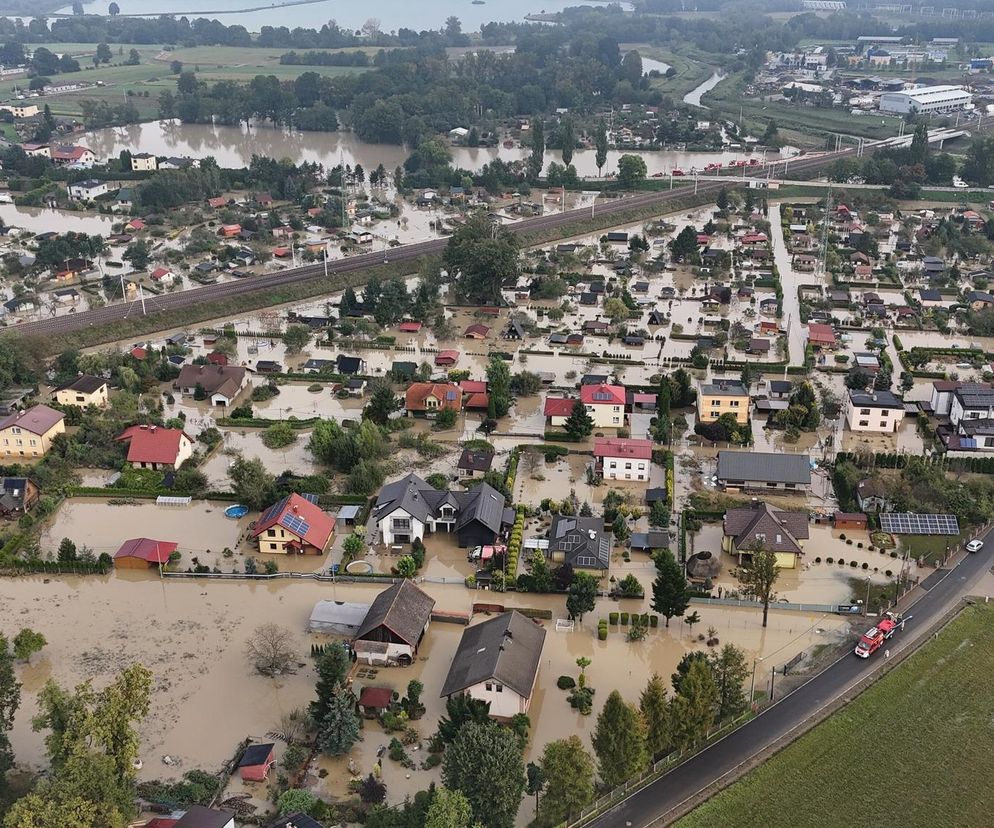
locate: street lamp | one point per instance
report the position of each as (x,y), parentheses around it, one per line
(752,684)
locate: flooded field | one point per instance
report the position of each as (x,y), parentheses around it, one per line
(248,442)
(205,699)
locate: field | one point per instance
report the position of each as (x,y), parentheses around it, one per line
(690,72)
(153,75)
(917,747)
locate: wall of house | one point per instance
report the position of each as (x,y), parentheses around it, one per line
(19,442)
(475,534)
(69,397)
(606,416)
(132,563)
(393,653)
(711,407)
(879,420)
(958,413)
(504,702)
(389,534)
(557,422)
(625,468)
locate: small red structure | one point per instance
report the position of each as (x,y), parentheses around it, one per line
(821,336)
(139,353)
(281,252)
(142,553)
(409,327)
(477,331)
(135,224)
(447,357)
(374,700)
(217,359)
(229,230)
(220,201)
(559,406)
(849,520)
(255,763)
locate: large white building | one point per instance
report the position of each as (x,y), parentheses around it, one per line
(878,411)
(926,99)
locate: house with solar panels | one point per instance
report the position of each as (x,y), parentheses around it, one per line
(410,508)
(296,525)
(605,404)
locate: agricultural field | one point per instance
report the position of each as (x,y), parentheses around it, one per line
(919,744)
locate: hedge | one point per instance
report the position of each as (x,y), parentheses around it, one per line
(262,422)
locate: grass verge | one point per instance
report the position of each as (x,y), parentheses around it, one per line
(917,747)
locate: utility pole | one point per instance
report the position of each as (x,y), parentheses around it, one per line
(141,294)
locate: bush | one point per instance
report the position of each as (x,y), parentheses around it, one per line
(893,554)
(866,566)
(842,536)
(842,561)
(624,619)
(612,618)
(565,682)
(859,545)
(829,560)
(602,633)
(654,621)
(888,573)
(854,564)
(818,560)
(848,541)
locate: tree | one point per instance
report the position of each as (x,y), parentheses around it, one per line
(481,256)
(600,146)
(332,667)
(567,139)
(721,202)
(484,763)
(103,54)
(406,567)
(296,337)
(581,596)
(460,710)
(138,253)
(448,809)
(684,247)
(759,576)
(499,385)
(28,642)
(537,158)
(382,402)
(67,551)
(568,769)
(670,591)
(252,484)
(615,310)
(10,700)
(655,712)
(295,800)
(134,58)
(339,728)
(579,424)
(270,650)
(771,137)
(692,709)
(534,781)
(729,669)
(113,9)
(354,545)
(372,790)
(619,741)
(631,171)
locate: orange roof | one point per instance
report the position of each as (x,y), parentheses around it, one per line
(299,516)
(152,444)
(622,447)
(447,394)
(559,406)
(602,394)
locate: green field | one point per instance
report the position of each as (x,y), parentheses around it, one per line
(916,749)
(690,72)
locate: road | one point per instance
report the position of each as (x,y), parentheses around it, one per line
(653,805)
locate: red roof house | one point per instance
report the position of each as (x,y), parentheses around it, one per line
(821,336)
(281,252)
(220,201)
(135,224)
(141,553)
(153,447)
(623,447)
(558,409)
(217,358)
(255,762)
(162,274)
(229,230)
(139,353)
(473,386)
(446,357)
(428,398)
(410,327)
(477,331)
(294,524)
(605,404)
(374,700)
(623,459)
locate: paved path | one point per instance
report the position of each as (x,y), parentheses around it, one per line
(653,805)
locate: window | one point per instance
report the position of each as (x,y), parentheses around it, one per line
(489,686)
(885,412)
(864,411)
(272,546)
(735,403)
(715,403)
(401,523)
(883,424)
(628,477)
(628,465)
(270,533)
(864,423)
(500,688)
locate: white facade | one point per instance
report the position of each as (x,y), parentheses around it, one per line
(606,415)
(926,99)
(144,162)
(958,412)
(85,190)
(872,417)
(399,524)
(625,468)
(504,702)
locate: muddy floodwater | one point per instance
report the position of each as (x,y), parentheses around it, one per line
(191,634)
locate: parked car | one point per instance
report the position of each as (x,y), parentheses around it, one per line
(975,545)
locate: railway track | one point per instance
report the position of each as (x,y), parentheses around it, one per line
(176,301)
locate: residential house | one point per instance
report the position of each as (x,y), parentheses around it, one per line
(294,525)
(759,346)
(18,495)
(229,231)
(197,816)
(395,625)
(474,395)
(255,762)
(403,371)
(474,463)
(446,357)
(477,331)
(157,448)
(581,542)
(143,553)
(497,662)
(30,433)
(822,336)
(930,298)
(375,701)
(876,411)
(144,162)
(873,495)
(409,508)
(979,300)
(941,400)
(83,391)
(72,156)
(619,458)
(221,384)
(87,190)
(163,275)
(762,525)
(557,410)
(20,304)
(66,296)
(350,365)
(723,397)
(780,389)
(426,399)
(605,404)
(649,541)
(763,470)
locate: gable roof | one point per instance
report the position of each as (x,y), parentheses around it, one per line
(152,444)
(622,447)
(602,394)
(39,419)
(475,460)
(147,549)
(225,380)
(559,406)
(764,467)
(300,516)
(256,755)
(84,383)
(403,609)
(448,394)
(421,500)
(582,540)
(780,529)
(506,649)
(348,364)
(197,816)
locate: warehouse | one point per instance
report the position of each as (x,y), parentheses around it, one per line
(925,99)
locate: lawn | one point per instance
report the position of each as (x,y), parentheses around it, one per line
(916,749)
(690,72)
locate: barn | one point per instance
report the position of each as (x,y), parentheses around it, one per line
(142,553)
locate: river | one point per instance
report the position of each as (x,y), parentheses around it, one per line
(391,14)
(693,97)
(234,146)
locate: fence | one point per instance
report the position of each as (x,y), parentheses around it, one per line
(779,605)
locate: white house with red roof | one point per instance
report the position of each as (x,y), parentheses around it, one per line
(295,524)
(557,410)
(163,275)
(154,447)
(623,459)
(605,404)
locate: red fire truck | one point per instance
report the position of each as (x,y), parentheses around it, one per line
(874,638)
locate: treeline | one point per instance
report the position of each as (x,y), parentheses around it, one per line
(313,58)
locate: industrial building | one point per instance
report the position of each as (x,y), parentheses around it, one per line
(926,99)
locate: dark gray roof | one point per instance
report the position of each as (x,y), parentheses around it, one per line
(583,540)
(653,539)
(483,503)
(200,817)
(403,609)
(764,467)
(725,387)
(975,397)
(421,500)
(475,460)
(506,649)
(255,755)
(348,364)
(85,384)
(781,386)
(876,399)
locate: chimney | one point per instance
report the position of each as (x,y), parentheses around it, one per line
(295,508)
(152,429)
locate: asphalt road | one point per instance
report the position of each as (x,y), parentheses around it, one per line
(653,805)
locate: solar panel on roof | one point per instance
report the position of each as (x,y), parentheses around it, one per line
(601,395)
(910,523)
(450,395)
(295,524)
(272,511)
(310,498)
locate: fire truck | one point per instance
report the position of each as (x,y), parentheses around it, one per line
(874,638)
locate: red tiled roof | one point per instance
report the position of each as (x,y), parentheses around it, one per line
(159,272)
(147,549)
(448,394)
(446,357)
(136,224)
(318,525)
(622,447)
(478,402)
(161,822)
(152,444)
(139,353)
(477,330)
(220,201)
(602,394)
(38,419)
(410,327)
(559,406)
(818,332)
(376,697)
(473,387)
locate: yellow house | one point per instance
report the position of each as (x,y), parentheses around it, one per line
(30,433)
(768,527)
(715,399)
(22,110)
(144,162)
(83,391)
